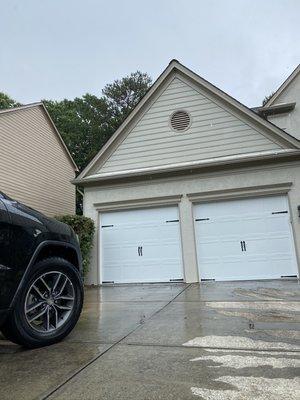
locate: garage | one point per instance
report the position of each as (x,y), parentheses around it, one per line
(140,246)
(226,178)
(245,239)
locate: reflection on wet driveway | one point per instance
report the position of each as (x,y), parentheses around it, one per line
(226,340)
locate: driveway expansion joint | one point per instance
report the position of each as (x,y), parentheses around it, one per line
(68,379)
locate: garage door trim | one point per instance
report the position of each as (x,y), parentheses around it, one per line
(236,193)
(137,205)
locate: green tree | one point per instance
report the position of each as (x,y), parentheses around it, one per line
(123,95)
(87,122)
(7,102)
(267,98)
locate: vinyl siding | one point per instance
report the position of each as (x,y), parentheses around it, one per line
(35,168)
(214,132)
(290,122)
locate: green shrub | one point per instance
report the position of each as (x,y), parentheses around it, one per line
(84,227)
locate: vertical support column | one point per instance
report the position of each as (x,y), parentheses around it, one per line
(293,199)
(188,240)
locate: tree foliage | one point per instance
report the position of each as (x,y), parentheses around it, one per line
(87,122)
(123,95)
(84,228)
(267,98)
(7,102)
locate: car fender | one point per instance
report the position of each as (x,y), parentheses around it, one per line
(34,257)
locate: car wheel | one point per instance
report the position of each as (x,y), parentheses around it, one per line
(48,305)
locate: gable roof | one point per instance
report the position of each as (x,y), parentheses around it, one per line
(173,68)
(56,132)
(283,86)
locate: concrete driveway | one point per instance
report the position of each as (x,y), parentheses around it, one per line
(213,341)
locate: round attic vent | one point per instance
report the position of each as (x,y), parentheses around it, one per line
(180,121)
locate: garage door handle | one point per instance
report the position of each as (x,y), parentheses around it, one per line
(140,251)
(243,245)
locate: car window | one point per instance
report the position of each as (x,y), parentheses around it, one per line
(4,196)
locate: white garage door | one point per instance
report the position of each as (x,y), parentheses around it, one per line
(245,239)
(141,246)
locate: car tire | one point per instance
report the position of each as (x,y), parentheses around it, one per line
(43,313)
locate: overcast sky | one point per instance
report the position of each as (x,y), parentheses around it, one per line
(56,49)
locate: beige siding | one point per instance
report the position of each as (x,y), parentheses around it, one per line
(290,122)
(35,168)
(214,133)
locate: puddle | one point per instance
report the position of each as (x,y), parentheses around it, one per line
(251,361)
(265,293)
(261,306)
(238,342)
(245,388)
(267,316)
(282,381)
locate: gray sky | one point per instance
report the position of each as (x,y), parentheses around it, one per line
(58,49)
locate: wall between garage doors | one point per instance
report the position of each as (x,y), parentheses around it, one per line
(249,182)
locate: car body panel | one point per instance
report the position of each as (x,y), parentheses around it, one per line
(24,233)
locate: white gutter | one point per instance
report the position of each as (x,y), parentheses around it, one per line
(190,165)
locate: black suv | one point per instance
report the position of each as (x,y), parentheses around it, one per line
(41,288)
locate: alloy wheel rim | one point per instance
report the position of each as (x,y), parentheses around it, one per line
(49,302)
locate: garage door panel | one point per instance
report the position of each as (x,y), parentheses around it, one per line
(279,224)
(223,227)
(262,224)
(115,271)
(270,245)
(112,249)
(141,246)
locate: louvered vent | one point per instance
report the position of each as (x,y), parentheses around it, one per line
(180,121)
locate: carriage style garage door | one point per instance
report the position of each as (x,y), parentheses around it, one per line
(245,239)
(141,246)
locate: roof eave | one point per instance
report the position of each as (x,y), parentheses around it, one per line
(19,108)
(229,160)
(275,109)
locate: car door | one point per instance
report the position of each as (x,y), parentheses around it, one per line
(5,255)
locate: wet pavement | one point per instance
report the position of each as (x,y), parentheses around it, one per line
(213,341)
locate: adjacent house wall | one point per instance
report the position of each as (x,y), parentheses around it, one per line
(35,168)
(290,122)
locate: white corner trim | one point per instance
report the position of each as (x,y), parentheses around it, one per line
(263,190)
(138,203)
(283,86)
